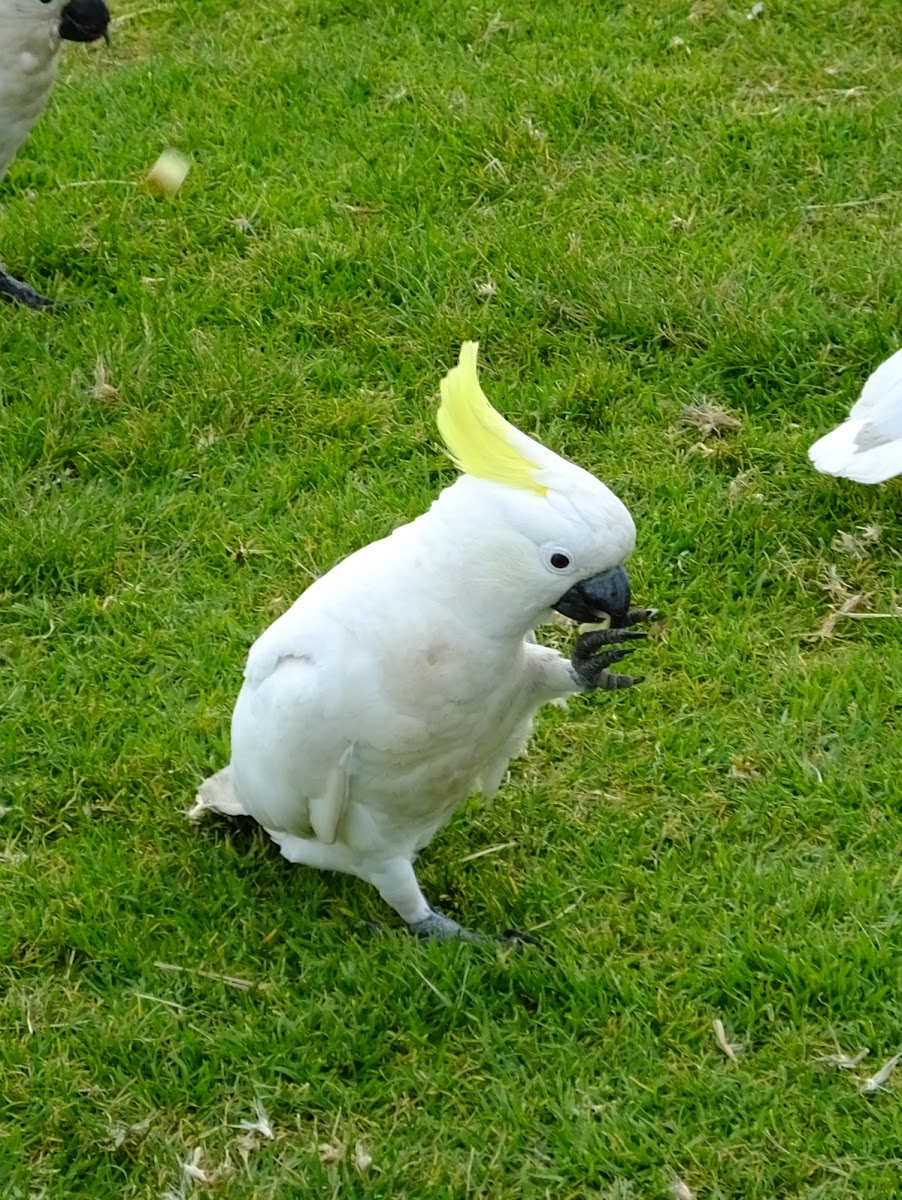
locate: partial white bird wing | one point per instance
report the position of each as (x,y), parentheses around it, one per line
(868,446)
(839,453)
(292,745)
(880,402)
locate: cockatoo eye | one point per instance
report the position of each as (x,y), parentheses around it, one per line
(555,559)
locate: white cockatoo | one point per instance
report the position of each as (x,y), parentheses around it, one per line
(867,447)
(31,32)
(406,678)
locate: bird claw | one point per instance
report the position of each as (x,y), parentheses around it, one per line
(439,928)
(516,937)
(17,292)
(590,662)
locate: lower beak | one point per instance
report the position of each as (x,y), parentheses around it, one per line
(605,595)
(85,21)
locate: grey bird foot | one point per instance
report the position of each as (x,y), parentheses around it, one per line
(590,662)
(440,928)
(516,937)
(17,292)
(437,927)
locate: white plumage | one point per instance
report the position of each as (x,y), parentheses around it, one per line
(407,677)
(31,32)
(867,447)
(29,53)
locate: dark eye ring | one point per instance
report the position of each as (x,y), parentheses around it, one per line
(560,561)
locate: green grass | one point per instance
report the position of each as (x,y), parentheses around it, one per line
(663,223)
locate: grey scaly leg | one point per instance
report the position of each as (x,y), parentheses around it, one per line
(17,292)
(589,661)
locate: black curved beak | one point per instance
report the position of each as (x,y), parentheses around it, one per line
(85,21)
(590,600)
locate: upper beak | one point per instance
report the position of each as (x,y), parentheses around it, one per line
(85,21)
(605,595)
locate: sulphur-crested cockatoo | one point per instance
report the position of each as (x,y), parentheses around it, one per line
(868,446)
(406,678)
(30,37)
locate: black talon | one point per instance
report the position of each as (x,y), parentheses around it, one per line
(518,937)
(590,662)
(606,637)
(613,683)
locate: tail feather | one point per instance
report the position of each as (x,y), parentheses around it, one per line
(217,794)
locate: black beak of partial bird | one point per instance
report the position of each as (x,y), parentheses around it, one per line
(85,21)
(591,600)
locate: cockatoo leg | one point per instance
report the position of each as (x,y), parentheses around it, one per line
(17,292)
(397,884)
(394,879)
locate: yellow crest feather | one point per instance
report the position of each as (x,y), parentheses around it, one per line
(477,437)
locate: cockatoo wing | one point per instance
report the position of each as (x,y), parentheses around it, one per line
(868,446)
(839,453)
(332,687)
(292,745)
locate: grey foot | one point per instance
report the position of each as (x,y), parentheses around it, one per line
(17,292)
(590,662)
(590,659)
(516,937)
(440,928)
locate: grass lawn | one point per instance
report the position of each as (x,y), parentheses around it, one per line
(634,207)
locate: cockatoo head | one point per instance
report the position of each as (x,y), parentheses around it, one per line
(74,20)
(543,532)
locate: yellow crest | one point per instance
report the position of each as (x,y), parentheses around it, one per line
(477,437)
